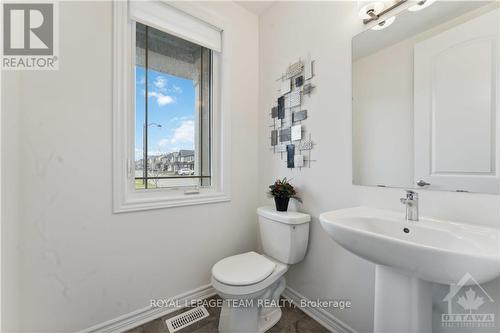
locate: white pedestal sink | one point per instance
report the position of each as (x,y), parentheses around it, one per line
(409,256)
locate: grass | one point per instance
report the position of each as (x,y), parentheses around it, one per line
(139,184)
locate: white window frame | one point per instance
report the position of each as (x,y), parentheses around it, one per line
(125,197)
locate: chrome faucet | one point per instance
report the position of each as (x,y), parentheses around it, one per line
(411,203)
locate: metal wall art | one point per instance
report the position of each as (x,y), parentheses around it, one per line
(288,138)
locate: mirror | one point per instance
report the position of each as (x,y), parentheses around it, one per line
(425,100)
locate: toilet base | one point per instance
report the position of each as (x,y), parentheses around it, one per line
(243,320)
(269,320)
(246,314)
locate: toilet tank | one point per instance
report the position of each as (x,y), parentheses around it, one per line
(284,235)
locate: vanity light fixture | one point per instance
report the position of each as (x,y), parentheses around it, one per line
(384,24)
(421,5)
(369,9)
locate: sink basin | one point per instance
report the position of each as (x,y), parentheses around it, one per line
(409,255)
(433,250)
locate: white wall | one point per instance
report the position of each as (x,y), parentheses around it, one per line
(289,30)
(80,264)
(10,205)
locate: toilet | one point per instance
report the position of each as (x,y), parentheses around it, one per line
(250,283)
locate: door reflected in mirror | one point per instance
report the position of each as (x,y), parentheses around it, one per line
(425,100)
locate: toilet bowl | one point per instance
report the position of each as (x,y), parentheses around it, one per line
(250,283)
(250,304)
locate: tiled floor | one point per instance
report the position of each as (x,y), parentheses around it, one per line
(293,320)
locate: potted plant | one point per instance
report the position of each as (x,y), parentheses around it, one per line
(282,191)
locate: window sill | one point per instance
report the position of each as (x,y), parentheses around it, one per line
(158,200)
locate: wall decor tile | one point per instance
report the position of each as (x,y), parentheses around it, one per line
(294,69)
(299,115)
(307,88)
(274,138)
(274,112)
(294,98)
(285,134)
(299,81)
(298,161)
(305,145)
(280,148)
(281,107)
(308,68)
(290,155)
(296,132)
(286,86)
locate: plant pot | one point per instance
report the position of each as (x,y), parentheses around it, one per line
(281,204)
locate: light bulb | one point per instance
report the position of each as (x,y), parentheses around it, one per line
(385,23)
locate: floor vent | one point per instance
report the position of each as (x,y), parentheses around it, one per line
(185,319)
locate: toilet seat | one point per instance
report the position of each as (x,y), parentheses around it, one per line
(243,269)
(242,290)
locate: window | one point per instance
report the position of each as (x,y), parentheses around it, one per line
(170,116)
(173,80)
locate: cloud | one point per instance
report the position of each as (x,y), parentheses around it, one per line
(163,145)
(163,142)
(184,133)
(176,89)
(161,99)
(160,83)
(177,119)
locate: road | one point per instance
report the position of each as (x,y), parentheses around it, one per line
(175,182)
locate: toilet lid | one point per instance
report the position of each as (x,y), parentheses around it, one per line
(243,269)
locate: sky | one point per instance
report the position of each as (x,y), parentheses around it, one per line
(171,103)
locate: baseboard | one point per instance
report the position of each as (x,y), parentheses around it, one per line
(147,314)
(325,318)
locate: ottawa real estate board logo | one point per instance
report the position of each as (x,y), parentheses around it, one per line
(30,35)
(469,306)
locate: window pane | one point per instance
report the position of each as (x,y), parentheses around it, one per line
(172,111)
